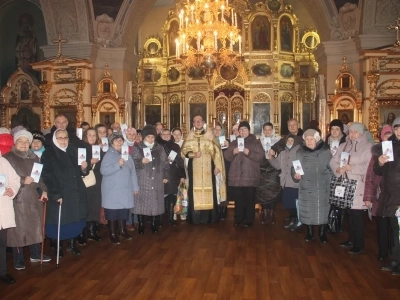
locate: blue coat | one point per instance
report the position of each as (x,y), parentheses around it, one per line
(119,182)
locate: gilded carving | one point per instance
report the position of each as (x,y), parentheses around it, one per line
(287,97)
(197,98)
(373,108)
(65,75)
(262,97)
(174,99)
(151,99)
(261,86)
(64,97)
(45,95)
(80,86)
(389,88)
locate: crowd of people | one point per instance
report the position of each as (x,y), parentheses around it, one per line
(64,186)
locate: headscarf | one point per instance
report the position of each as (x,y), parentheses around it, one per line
(56,142)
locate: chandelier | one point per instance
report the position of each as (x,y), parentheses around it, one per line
(207,33)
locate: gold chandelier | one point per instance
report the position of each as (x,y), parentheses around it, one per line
(207,33)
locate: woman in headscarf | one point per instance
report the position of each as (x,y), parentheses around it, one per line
(314,156)
(28,203)
(63,178)
(269,190)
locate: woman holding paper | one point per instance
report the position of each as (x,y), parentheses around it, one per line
(313,157)
(93,193)
(63,178)
(27,204)
(118,188)
(176,172)
(358,150)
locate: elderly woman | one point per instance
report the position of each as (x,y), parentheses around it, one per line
(244,174)
(314,156)
(153,175)
(118,187)
(7,217)
(37,145)
(269,190)
(359,149)
(63,178)
(28,204)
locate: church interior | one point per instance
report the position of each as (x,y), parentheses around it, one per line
(142,62)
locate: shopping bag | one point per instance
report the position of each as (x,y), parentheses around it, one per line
(342,191)
(181,205)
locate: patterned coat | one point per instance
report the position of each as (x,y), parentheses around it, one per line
(150,200)
(314,184)
(360,156)
(28,209)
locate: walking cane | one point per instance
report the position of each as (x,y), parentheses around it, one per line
(43,231)
(58,235)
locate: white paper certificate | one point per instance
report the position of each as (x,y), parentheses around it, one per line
(267,143)
(222,141)
(172,155)
(3,178)
(344,159)
(334,146)
(104,144)
(96,151)
(147,154)
(36,172)
(232,137)
(81,155)
(79,133)
(240,142)
(297,167)
(125,152)
(387,149)
(124,128)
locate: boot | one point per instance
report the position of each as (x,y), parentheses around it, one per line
(113,229)
(310,234)
(322,234)
(223,212)
(36,253)
(141,224)
(296,226)
(81,238)
(71,247)
(170,213)
(272,215)
(122,230)
(159,221)
(154,226)
(92,233)
(290,224)
(53,245)
(265,216)
(19,263)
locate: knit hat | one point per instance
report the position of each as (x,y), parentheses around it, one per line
(23,133)
(149,130)
(6,143)
(312,132)
(386,129)
(115,135)
(244,124)
(359,127)
(38,135)
(396,123)
(338,123)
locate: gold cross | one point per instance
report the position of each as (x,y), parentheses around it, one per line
(397,28)
(60,41)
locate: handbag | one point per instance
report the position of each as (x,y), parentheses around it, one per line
(342,191)
(181,205)
(334,219)
(89,180)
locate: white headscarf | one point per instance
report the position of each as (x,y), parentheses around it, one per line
(56,142)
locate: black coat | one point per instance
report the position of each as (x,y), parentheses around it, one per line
(62,176)
(389,198)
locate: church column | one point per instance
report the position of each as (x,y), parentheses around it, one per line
(247,105)
(373,124)
(45,95)
(210,106)
(165,109)
(80,86)
(183,110)
(4,116)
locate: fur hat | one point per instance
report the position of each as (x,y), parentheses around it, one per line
(114,136)
(338,123)
(38,135)
(244,124)
(359,127)
(312,132)
(386,129)
(149,130)
(23,133)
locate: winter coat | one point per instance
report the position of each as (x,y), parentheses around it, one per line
(314,184)
(28,209)
(63,178)
(360,156)
(119,182)
(150,200)
(373,181)
(390,195)
(13,181)
(245,169)
(176,168)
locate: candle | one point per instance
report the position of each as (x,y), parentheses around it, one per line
(183,43)
(215,41)
(231,40)
(198,40)
(235,20)
(240,45)
(192,13)
(232,17)
(187,20)
(222,13)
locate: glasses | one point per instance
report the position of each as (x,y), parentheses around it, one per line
(63,138)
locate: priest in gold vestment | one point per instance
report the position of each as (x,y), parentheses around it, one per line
(206,174)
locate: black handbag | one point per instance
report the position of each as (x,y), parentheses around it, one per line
(342,191)
(334,219)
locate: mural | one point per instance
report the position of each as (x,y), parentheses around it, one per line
(172,35)
(286,32)
(261,34)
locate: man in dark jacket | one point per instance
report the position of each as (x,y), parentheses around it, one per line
(293,126)
(390,197)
